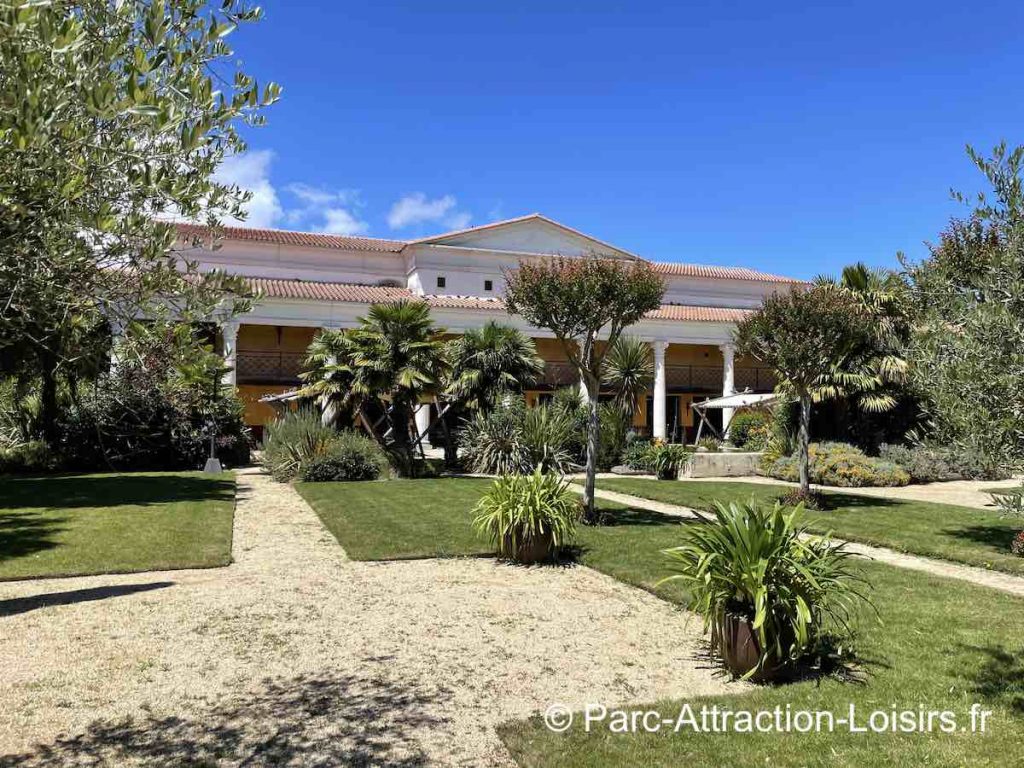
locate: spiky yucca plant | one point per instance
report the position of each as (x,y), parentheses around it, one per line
(759,563)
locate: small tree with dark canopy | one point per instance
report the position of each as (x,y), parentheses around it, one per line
(582,300)
(810,338)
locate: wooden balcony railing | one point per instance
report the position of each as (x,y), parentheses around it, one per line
(274,367)
(688,378)
(271,367)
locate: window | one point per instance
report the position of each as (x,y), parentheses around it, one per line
(488,285)
(440,281)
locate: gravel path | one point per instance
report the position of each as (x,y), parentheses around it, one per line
(295,655)
(1004,582)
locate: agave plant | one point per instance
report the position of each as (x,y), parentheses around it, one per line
(758,565)
(528,518)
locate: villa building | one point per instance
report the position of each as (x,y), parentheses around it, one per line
(311,281)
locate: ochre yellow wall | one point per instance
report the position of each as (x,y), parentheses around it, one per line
(257,413)
(274,338)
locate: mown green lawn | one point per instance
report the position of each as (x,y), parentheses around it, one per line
(973,536)
(941,645)
(73,525)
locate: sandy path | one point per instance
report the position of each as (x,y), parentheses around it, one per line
(1004,582)
(294,655)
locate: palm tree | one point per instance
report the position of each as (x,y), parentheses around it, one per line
(880,365)
(328,374)
(396,356)
(628,372)
(489,361)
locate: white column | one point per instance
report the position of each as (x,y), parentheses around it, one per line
(660,387)
(728,382)
(423,420)
(229,337)
(584,392)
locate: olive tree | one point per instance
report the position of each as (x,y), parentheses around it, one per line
(967,347)
(584,301)
(113,116)
(812,340)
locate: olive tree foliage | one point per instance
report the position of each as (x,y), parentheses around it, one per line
(113,116)
(967,350)
(584,300)
(813,339)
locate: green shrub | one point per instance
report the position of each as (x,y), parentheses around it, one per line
(760,564)
(493,444)
(349,456)
(550,437)
(842,465)
(514,439)
(668,459)
(615,424)
(33,456)
(520,513)
(639,455)
(293,440)
(930,463)
(144,418)
(710,444)
(749,430)
(1010,501)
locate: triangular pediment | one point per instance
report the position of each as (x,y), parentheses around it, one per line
(529,234)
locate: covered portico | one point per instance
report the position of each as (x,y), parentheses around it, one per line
(692,349)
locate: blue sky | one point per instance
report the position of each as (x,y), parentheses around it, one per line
(790,137)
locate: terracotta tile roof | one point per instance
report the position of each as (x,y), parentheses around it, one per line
(682,313)
(465,302)
(309,289)
(369,294)
(726,273)
(380,245)
(287,237)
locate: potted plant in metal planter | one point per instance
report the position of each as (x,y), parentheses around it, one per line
(668,460)
(529,518)
(769,592)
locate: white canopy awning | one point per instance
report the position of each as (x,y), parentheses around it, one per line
(742,400)
(282,397)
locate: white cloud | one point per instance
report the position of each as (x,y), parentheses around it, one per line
(326,211)
(251,171)
(339,221)
(321,209)
(417,208)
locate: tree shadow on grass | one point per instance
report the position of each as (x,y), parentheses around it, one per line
(995,537)
(309,720)
(610,517)
(18,605)
(1001,676)
(27,533)
(832,501)
(67,491)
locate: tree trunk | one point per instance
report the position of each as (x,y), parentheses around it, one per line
(803,441)
(593,442)
(400,439)
(48,396)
